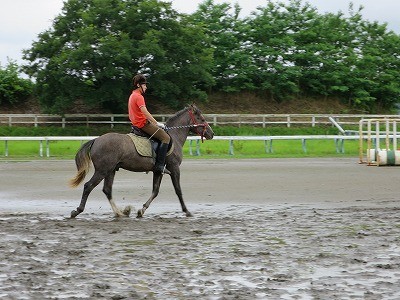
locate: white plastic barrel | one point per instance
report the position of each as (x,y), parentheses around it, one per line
(372,155)
(388,157)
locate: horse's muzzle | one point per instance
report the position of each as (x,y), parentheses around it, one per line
(209,133)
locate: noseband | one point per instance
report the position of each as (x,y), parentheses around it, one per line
(196,125)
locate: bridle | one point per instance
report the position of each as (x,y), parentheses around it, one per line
(197,125)
(194,124)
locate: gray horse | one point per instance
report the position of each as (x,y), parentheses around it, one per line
(112,151)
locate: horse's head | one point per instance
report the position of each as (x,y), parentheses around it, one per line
(200,125)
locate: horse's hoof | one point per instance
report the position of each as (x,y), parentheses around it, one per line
(189,214)
(127,211)
(140,213)
(74,213)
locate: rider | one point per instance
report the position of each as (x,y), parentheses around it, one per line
(142,118)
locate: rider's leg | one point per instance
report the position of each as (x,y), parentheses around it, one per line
(162,136)
(160,160)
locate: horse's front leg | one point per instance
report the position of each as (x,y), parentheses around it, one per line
(175,177)
(157,177)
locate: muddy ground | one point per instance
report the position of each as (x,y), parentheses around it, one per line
(262,229)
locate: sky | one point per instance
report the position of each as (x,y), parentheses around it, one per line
(22,20)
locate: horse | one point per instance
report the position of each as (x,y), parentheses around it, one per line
(112,151)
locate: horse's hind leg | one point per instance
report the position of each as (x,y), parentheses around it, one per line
(87,189)
(107,189)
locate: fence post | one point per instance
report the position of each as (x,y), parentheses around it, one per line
(394,135)
(47,148)
(271,150)
(266,146)
(231,147)
(197,148)
(338,145)
(303,145)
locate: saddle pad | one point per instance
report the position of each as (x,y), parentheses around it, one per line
(143,145)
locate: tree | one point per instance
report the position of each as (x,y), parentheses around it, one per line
(373,77)
(96,46)
(13,88)
(298,51)
(280,51)
(178,63)
(226,36)
(275,50)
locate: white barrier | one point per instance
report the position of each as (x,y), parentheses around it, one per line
(374,136)
(268,140)
(42,139)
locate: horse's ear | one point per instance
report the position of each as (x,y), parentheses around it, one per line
(191,106)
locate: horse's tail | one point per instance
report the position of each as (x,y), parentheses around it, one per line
(82,160)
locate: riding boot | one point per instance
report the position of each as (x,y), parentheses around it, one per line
(159,166)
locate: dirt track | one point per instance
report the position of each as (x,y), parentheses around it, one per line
(266,229)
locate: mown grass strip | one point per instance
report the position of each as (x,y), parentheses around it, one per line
(208,149)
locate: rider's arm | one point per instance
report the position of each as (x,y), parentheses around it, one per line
(148,115)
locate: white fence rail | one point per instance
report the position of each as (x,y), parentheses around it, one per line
(214,119)
(44,141)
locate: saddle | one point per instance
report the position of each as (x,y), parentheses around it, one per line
(145,145)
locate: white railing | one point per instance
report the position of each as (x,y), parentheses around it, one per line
(214,119)
(44,141)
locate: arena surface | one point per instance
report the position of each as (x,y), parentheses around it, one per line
(262,229)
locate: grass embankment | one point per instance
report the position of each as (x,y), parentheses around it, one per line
(208,149)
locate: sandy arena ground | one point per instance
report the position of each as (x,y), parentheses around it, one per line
(262,229)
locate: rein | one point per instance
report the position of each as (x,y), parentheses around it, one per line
(194,125)
(184,126)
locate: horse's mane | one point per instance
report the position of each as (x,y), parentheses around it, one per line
(178,114)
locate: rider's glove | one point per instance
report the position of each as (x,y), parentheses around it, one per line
(161,125)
